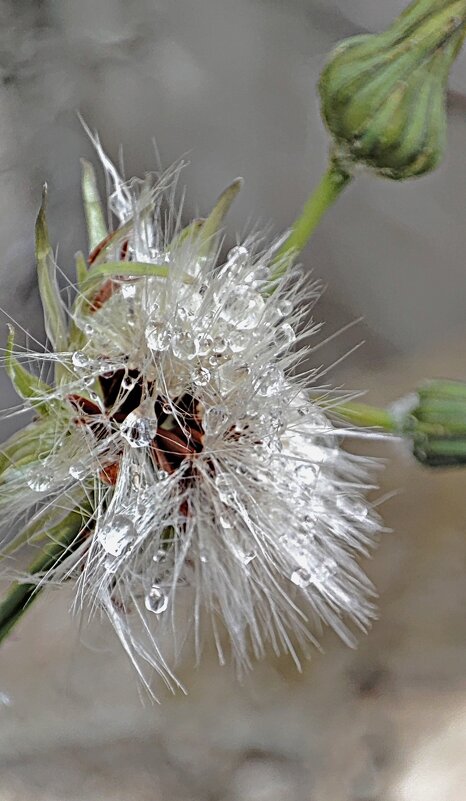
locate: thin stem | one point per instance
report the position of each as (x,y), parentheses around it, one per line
(332,184)
(365,416)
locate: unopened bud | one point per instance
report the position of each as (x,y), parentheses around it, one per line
(436,423)
(384,95)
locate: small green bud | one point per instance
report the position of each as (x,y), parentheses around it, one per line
(436,423)
(384,95)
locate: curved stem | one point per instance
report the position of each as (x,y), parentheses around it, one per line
(331,185)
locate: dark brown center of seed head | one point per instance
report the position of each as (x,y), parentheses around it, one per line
(180,434)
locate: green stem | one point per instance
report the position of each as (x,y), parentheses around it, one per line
(332,184)
(20,595)
(365,416)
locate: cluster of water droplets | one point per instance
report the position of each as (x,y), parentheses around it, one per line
(211,330)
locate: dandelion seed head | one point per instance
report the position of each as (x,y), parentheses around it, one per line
(186,421)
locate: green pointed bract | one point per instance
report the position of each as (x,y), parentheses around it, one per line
(187,236)
(81,269)
(27,385)
(384,95)
(95,217)
(212,226)
(54,315)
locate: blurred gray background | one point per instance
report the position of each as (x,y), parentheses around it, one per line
(232,84)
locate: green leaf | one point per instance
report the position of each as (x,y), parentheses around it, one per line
(63,538)
(208,235)
(95,218)
(54,316)
(27,386)
(81,268)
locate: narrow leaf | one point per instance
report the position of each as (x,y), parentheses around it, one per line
(211,228)
(54,316)
(187,235)
(95,218)
(81,268)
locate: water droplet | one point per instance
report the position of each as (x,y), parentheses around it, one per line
(128,290)
(215,360)
(160,555)
(219,344)
(226,491)
(116,534)
(245,557)
(88,329)
(95,398)
(203,556)
(238,341)
(108,368)
(204,343)
(201,376)
(284,335)
(243,308)
(183,346)
(80,359)
(225,522)
(307,473)
(301,577)
(127,382)
(139,428)
(158,336)
(79,470)
(271,381)
(285,307)
(238,255)
(162,475)
(156,601)
(258,276)
(41,480)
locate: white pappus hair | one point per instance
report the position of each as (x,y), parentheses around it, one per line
(183,430)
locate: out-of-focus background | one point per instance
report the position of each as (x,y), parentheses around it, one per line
(231,84)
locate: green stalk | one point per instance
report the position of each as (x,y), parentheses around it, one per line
(365,416)
(20,596)
(331,185)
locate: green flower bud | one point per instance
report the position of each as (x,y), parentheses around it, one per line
(436,423)
(383,95)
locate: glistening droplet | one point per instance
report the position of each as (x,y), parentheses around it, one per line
(138,429)
(116,534)
(301,577)
(156,601)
